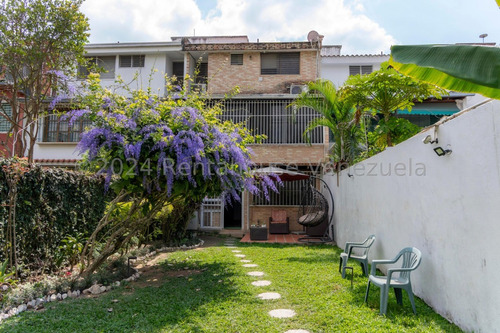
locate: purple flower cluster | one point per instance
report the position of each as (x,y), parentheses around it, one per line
(180,146)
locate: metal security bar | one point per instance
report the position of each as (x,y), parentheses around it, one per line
(290,194)
(272,118)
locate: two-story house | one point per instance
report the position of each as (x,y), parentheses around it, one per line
(270,75)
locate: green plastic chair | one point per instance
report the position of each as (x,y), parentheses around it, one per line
(360,256)
(401,280)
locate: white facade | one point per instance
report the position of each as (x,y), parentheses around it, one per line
(158,62)
(336,67)
(448,207)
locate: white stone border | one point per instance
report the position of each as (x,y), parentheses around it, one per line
(96,289)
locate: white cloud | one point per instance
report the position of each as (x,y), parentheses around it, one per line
(341,22)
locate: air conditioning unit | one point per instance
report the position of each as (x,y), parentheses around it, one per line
(296,89)
(199,87)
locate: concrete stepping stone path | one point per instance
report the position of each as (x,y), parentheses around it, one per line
(297,331)
(240,255)
(245,260)
(282,313)
(250,265)
(255,273)
(261,283)
(236,251)
(269,296)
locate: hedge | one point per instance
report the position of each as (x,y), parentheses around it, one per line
(52,204)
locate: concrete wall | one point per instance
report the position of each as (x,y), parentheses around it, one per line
(336,69)
(448,207)
(154,67)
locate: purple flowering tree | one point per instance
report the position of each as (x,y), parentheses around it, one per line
(160,156)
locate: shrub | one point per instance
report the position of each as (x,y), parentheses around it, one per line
(51,205)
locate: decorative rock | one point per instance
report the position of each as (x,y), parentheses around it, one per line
(245,260)
(53,297)
(250,265)
(12,312)
(282,313)
(5,287)
(78,293)
(240,255)
(72,294)
(39,301)
(261,283)
(108,288)
(102,289)
(116,284)
(31,304)
(269,296)
(3,316)
(256,273)
(59,296)
(64,296)
(21,308)
(297,331)
(95,289)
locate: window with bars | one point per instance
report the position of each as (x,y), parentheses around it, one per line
(280,63)
(290,194)
(236,59)
(104,64)
(273,119)
(5,125)
(58,130)
(355,70)
(136,60)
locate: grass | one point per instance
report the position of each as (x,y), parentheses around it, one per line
(214,294)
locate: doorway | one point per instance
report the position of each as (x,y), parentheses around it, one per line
(232,215)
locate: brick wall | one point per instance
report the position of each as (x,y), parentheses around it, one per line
(223,76)
(262,214)
(300,154)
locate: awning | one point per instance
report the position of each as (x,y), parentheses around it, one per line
(433,109)
(283,174)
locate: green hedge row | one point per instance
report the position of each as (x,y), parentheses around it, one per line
(51,205)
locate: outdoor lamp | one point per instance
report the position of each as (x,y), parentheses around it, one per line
(441,152)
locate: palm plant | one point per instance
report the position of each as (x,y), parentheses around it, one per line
(339,116)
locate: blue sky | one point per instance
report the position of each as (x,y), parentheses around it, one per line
(360,26)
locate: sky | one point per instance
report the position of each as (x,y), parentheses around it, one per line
(360,26)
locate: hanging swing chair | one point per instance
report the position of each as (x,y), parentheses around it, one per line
(314,207)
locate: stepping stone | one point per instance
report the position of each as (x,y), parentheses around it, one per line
(297,331)
(250,265)
(240,255)
(231,247)
(255,273)
(282,313)
(245,260)
(261,283)
(236,251)
(269,296)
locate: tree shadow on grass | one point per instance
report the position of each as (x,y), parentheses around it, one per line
(166,307)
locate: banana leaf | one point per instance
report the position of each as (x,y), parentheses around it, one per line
(463,68)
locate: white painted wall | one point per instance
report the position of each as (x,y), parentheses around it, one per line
(448,207)
(336,68)
(55,150)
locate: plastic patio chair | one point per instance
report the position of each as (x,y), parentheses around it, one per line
(410,261)
(360,256)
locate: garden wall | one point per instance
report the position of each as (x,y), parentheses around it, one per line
(448,207)
(52,204)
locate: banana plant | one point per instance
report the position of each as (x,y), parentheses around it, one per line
(464,68)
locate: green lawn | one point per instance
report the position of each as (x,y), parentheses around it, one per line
(218,297)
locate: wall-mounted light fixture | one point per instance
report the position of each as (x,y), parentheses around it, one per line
(428,139)
(441,152)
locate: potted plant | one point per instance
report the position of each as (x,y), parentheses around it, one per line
(258,232)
